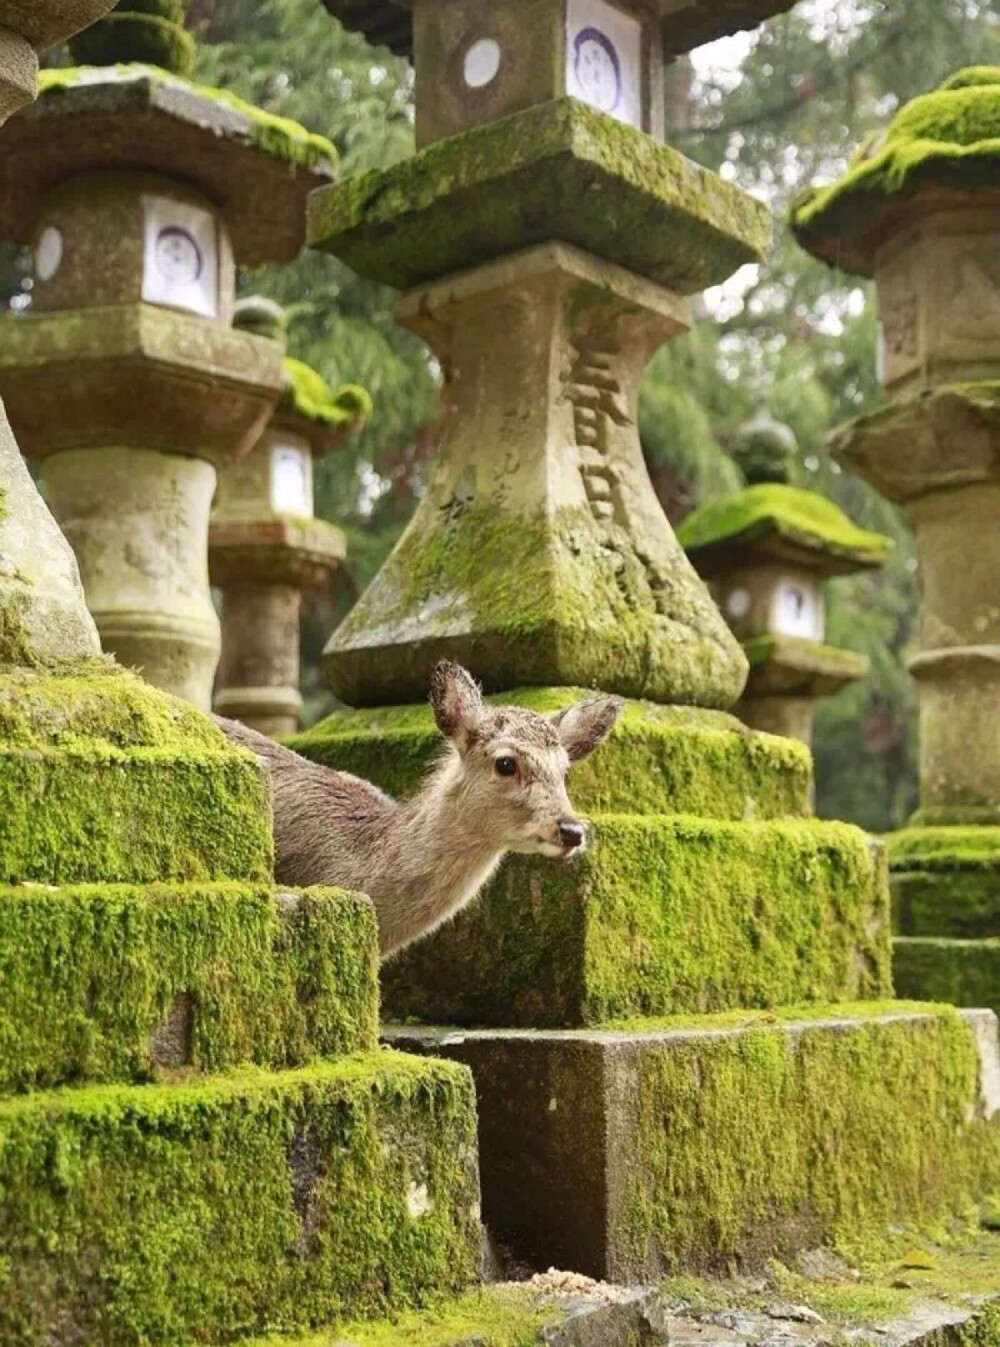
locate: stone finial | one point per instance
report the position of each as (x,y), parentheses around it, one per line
(764,448)
(262,316)
(148,31)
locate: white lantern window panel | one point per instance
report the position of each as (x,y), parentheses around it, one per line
(291,479)
(181,262)
(604,59)
(738,603)
(48,253)
(797,610)
(482,63)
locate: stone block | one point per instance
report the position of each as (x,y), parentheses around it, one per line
(110,983)
(44,24)
(727,1140)
(105,780)
(560,170)
(959,972)
(658,760)
(945,881)
(214,1210)
(661,916)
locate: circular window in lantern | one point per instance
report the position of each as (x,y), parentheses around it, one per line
(482,63)
(738,603)
(598,69)
(178,257)
(49,253)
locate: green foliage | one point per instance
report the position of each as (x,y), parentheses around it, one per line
(211,1210)
(102,983)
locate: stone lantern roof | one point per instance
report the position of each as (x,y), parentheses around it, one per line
(685,23)
(772,521)
(939,145)
(325,416)
(259,169)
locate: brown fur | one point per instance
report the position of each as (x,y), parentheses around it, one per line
(422,860)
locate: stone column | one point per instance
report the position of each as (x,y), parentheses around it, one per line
(139,194)
(266,550)
(918,212)
(766,553)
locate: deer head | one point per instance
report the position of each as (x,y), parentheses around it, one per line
(508,765)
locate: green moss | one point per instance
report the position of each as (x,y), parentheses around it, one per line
(144,37)
(659,760)
(754,1143)
(827,661)
(661,916)
(951,137)
(105,779)
(493,1317)
(946,902)
(559,170)
(91,977)
(545,600)
(277,136)
(944,848)
(962,972)
(243,1203)
(306,393)
(723,1020)
(803,518)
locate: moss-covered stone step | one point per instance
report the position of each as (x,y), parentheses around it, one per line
(946,881)
(210,1211)
(659,759)
(661,915)
(109,982)
(723,1140)
(962,972)
(103,779)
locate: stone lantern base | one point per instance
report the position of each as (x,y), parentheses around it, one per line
(788,676)
(662,1030)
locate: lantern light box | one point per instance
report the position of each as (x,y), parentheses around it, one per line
(181,256)
(477,63)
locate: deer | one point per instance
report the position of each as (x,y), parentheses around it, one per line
(498,786)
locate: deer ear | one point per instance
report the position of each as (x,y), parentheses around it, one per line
(585,725)
(456,702)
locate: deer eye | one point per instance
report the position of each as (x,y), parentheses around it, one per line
(506,766)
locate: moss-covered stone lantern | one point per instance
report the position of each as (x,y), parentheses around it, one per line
(266,549)
(918,211)
(765,553)
(546,253)
(139,193)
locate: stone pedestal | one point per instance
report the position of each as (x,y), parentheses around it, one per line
(610,1139)
(924,225)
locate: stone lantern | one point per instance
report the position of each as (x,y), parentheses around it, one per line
(139,193)
(765,553)
(266,549)
(917,210)
(546,253)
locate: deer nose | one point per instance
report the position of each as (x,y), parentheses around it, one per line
(571,833)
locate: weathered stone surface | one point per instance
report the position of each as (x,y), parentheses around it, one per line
(136,375)
(954,971)
(258,681)
(561,170)
(787,677)
(18,73)
(258,168)
(280,549)
(43,23)
(215,1209)
(104,780)
(539,553)
(111,982)
(43,616)
(696,1144)
(661,916)
(658,760)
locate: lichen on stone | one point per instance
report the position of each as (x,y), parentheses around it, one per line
(306,394)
